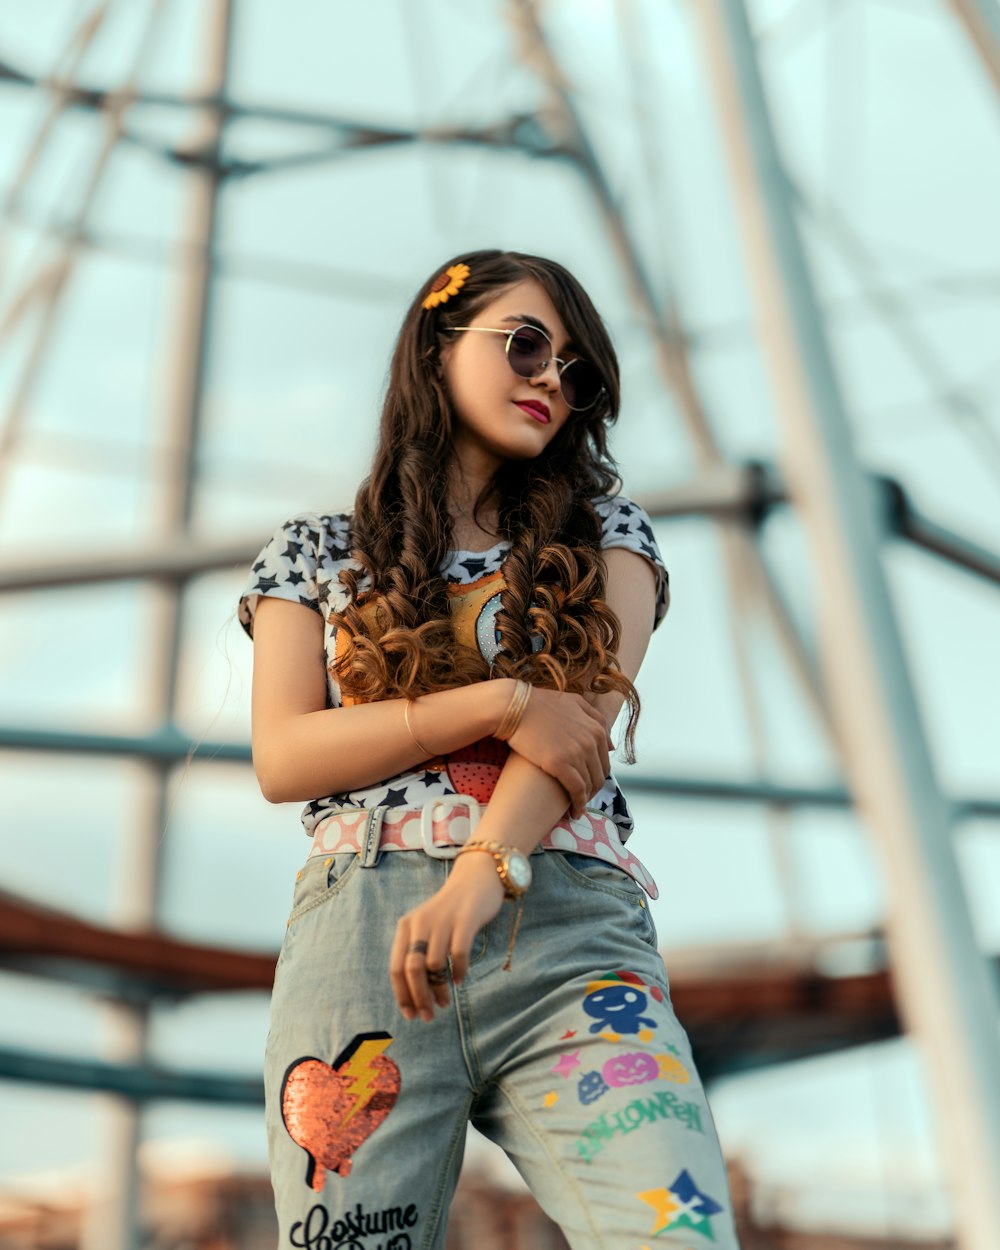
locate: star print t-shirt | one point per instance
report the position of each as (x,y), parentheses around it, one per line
(302,561)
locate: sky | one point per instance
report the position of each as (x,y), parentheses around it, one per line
(888,127)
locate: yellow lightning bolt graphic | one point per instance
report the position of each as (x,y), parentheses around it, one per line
(662,1202)
(362,1074)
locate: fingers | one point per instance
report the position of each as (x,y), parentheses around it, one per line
(460,947)
(418,969)
(398,973)
(443,927)
(435,971)
(418,965)
(579,758)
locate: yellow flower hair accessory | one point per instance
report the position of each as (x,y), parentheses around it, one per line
(448,283)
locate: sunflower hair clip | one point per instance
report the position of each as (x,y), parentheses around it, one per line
(447,284)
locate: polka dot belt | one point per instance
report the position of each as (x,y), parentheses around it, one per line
(442,825)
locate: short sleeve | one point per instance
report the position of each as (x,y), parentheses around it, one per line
(626,524)
(285,568)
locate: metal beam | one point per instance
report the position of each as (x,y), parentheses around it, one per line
(171,745)
(982,21)
(948,993)
(724,491)
(136,1083)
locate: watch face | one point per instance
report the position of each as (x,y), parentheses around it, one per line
(519,871)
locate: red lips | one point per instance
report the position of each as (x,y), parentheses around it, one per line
(535,407)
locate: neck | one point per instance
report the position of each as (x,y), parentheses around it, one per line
(468,476)
(464,487)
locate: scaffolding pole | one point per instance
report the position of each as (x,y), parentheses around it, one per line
(116,1221)
(947,994)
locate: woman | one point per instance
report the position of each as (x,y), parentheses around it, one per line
(437,672)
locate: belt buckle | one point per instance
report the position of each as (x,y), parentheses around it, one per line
(427,814)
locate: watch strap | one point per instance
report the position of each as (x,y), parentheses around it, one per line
(499,852)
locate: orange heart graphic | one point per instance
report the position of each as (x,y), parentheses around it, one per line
(330,1109)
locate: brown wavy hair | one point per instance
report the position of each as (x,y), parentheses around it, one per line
(399,640)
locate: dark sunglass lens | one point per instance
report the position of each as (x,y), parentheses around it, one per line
(581,384)
(528,348)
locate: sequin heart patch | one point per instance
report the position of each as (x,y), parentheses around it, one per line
(330,1109)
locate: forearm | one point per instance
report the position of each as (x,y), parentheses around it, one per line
(341,749)
(524,807)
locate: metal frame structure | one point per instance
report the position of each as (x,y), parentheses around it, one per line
(856,683)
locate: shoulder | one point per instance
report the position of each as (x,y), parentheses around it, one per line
(300,562)
(326,535)
(625,523)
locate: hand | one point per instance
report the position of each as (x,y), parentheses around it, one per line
(566,737)
(447,922)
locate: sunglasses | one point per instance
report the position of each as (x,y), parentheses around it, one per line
(529,351)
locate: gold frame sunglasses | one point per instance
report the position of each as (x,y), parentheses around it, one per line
(537,365)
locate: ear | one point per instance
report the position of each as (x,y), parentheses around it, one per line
(444,355)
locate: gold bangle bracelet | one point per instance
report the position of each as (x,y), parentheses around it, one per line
(501,730)
(515,710)
(509,724)
(406,717)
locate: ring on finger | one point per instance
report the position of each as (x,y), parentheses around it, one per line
(417,948)
(437,976)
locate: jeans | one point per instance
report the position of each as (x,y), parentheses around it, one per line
(573,1062)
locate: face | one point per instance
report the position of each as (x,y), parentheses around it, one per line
(485,391)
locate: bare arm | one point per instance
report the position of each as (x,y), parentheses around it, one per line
(302,749)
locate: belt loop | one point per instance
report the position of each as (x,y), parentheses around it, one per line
(371,852)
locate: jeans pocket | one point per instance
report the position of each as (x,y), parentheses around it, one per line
(321,879)
(598,874)
(602,877)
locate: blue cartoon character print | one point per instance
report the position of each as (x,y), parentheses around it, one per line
(617,1000)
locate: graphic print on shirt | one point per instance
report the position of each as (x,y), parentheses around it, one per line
(302,562)
(474,769)
(331,1109)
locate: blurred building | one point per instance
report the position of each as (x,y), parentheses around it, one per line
(231,1211)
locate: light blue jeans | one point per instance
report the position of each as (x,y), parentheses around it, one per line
(572,1061)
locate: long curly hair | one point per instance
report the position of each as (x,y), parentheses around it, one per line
(555,628)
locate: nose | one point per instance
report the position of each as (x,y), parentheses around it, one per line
(549,375)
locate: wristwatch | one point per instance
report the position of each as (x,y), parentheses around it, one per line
(513,867)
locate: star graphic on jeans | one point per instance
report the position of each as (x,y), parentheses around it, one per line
(681,1205)
(394,798)
(567,1062)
